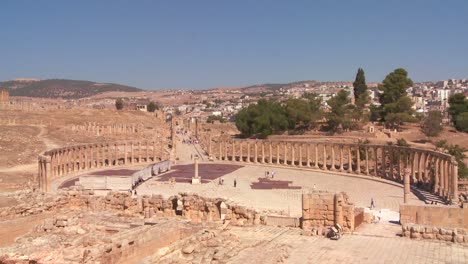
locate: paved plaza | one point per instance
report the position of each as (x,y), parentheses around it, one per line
(271,244)
(386,196)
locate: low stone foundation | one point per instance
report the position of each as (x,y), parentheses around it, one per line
(414,231)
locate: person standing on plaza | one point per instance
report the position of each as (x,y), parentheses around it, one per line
(235,183)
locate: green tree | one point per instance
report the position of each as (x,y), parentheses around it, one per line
(119,104)
(213,118)
(152,106)
(361,96)
(262,119)
(431,125)
(396,106)
(298,113)
(341,111)
(461,123)
(458,105)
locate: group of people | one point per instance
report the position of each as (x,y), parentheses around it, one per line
(269,174)
(221,182)
(190,141)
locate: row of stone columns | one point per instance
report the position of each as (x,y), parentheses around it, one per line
(59,162)
(432,170)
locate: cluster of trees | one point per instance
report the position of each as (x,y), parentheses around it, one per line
(268,117)
(458,110)
(213,118)
(150,107)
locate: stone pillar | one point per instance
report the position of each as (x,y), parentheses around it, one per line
(209,147)
(390,153)
(285,162)
(341,158)
(226,146)
(333,157)
(109,155)
(256,152)
(220,149)
(300,154)
(338,208)
(293,155)
(270,152)
(316,156)
(350,160)
(436,176)
(324,157)
(376,163)
(308,155)
(147,151)
(233,151)
(86,158)
(420,160)
(196,179)
(241,152)
(367,160)
(446,178)
(454,172)
(406,186)
(263,152)
(248,151)
(277,153)
(139,151)
(358,160)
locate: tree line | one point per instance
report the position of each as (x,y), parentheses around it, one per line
(270,116)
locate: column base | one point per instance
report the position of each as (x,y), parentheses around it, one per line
(196,180)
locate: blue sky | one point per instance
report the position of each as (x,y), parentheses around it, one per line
(202,44)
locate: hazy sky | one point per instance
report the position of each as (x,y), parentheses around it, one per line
(201,44)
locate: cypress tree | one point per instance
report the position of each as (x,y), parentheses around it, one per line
(360,86)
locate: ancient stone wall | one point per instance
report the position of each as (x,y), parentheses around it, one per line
(434,215)
(321,210)
(188,206)
(434,171)
(4,96)
(456,235)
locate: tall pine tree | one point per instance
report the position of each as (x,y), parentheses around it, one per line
(360,86)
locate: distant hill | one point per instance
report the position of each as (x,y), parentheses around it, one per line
(58,88)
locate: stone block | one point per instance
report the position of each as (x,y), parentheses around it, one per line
(428,236)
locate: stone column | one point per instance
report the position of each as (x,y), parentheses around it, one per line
(376,169)
(390,153)
(350,161)
(333,157)
(233,151)
(263,152)
(285,162)
(256,152)
(341,158)
(209,146)
(226,146)
(308,155)
(220,149)
(358,160)
(446,178)
(147,151)
(454,182)
(406,186)
(420,160)
(324,157)
(316,156)
(248,151)
(293,154)
(241,153)
(367,160)
(277,153)
(109,155)
(338,208)
(270,152)
(196,179)
(436,176)
(85,152)
(139,151)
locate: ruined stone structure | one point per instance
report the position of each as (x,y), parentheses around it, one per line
(107,129)
(322,210)
(60,162)
(4,96)
(432,170)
